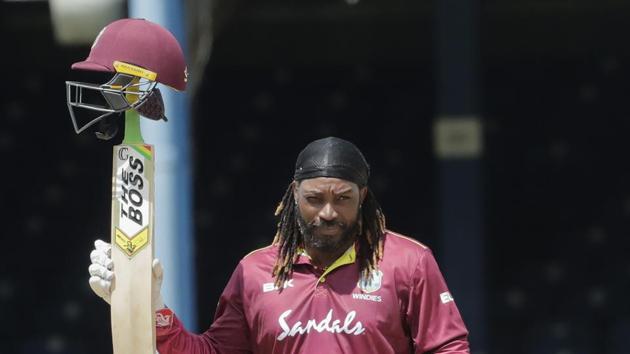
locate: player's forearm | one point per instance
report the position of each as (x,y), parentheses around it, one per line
(173,338)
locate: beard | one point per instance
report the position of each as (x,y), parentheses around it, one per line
(313,238)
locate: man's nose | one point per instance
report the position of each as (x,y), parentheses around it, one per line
(328,213)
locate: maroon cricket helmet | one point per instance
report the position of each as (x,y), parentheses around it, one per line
(142,43)
(139,54)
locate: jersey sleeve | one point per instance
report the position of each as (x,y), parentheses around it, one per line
(229,332)
(434,321)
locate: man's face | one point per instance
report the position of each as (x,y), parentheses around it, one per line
(328,212)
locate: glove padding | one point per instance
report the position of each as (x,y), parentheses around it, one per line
(102,274)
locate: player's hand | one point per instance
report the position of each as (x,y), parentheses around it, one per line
(102,274)
(101,270)
(158,275)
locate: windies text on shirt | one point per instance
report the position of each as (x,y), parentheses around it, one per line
(324,325)
(375,298)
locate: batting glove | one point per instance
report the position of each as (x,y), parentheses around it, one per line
(102,274)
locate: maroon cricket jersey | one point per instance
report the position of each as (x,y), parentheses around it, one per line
(403,307)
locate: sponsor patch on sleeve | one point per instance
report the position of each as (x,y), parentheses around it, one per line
(164,318)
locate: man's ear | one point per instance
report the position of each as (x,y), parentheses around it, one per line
(296,185)
(363,193)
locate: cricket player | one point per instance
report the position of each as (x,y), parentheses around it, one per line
(334,279)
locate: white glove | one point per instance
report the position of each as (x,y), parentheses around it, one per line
(102,274)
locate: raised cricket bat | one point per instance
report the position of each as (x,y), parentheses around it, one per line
(132,315)
(137,51)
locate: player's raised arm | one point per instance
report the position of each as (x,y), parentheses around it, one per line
(102,274)
(229,331)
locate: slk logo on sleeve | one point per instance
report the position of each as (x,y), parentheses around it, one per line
(446,297)
(372,283)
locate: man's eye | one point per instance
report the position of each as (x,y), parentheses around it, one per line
(313,199)
(343,197)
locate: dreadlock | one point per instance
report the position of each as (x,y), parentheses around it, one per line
(289,237)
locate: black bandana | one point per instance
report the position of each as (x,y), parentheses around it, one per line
(332,157)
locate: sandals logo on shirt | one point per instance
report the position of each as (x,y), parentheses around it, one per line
(371,283)
(328,324)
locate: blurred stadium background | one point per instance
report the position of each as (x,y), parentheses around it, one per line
(552,79)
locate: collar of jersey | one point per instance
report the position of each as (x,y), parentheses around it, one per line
(348,257)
